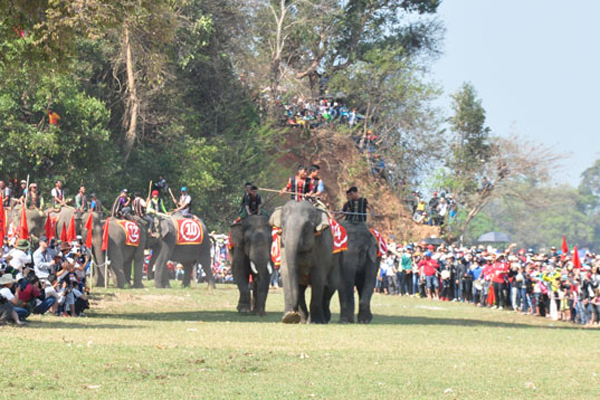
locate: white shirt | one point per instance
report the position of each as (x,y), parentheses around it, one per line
(184,201)
(19,259)
(7,294)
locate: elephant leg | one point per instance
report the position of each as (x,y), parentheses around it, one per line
(317,278)
(346,294)
(290,291)
(138,268)
(160,265)
(302,308)
(116,265)
(327,295)
(99,277)
(127,269)
(365,294)
(241,275)
(261,290)
(188,270)
(205,262)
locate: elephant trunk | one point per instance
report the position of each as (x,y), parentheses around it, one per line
(290,274)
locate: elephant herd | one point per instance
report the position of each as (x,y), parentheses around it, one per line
(120,256)
(307,258)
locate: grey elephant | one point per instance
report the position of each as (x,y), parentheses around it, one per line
(306,258)
(165,248)
(63,219)
(36,220)
(121,255)
(359,268)
(251,255)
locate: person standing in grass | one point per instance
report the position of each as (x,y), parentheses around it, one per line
(428,267)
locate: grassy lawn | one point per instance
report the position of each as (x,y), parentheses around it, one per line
(191,343)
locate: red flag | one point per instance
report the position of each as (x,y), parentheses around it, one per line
(105,236)
(2,219)
(576,260)
(89,226)
(71,232)
(565,248)
(23,230)
(49,227)
(63,233)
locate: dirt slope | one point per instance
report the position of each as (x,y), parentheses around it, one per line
(342,166)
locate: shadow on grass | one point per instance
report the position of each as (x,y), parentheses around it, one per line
(60,324)
(468,322)
(228,316)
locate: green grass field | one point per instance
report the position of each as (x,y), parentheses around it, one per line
(191,343)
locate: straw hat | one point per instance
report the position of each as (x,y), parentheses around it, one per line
(6,279)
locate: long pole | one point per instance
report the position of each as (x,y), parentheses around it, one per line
(149,192)
(281,191)
(27,189)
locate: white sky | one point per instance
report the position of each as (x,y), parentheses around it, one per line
(536,66)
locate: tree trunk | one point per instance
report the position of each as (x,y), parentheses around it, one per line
(133,101)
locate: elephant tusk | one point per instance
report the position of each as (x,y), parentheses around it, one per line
(270,267)
(253,266)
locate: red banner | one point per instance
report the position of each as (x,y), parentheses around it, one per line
(71,231)
(340,238)
(189,231)
(23,229)
(89,225)
(49,227)
(276,246)
(382,245)
(2,219)
(105,235)
(63,233)
(132,232)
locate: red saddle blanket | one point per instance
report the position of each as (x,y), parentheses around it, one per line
(132,232)
(382,245)
(189,231)
(340,241)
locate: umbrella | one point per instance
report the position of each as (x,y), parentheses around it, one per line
(433,241)
(494,237)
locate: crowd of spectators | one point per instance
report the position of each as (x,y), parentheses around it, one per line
(546,284)
(49,280)
(221,265)
(438,211)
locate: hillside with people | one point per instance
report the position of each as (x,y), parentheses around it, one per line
(113,95)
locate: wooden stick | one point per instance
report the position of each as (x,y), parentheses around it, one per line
(283,192)
(172,196)
(149,192)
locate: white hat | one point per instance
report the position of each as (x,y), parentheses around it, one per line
(6,279)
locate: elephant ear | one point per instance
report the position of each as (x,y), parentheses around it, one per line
(237,233)
(322,221)
(372,252)
(275,219)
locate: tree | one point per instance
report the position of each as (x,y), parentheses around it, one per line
(481,167)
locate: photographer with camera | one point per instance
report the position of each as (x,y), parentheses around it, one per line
(74,301)
(43,258)
(33,295)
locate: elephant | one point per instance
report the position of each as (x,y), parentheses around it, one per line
(36,220)
(63,219)
(122,256)
(165,248)
(306,258)
(251,256)
(359,268)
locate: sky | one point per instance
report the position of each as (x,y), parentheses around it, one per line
(535,65)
